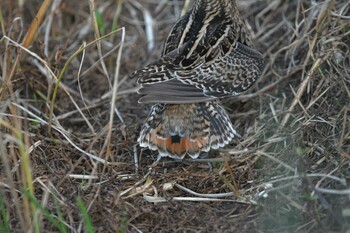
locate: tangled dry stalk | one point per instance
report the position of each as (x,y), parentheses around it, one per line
(69,121)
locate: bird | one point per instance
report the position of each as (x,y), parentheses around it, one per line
(208,55)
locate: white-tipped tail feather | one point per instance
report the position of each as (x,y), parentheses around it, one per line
(177,130)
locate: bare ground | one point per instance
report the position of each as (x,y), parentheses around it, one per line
(289,172)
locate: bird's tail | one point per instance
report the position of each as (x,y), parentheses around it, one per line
(179,129)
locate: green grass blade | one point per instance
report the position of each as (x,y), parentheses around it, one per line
(60,226)
(88,224)
(4,222)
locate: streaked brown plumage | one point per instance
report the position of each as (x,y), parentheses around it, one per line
(208,55)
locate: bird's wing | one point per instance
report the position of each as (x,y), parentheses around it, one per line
(199,37)
(228,76)
(172,91)
(206,56)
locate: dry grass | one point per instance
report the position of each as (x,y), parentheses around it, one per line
(69,121)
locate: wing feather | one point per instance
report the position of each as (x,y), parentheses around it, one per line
(207,55)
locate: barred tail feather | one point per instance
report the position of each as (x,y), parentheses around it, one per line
(179,129)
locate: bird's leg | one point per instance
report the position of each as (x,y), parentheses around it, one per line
(203,159)
(155,163)
(158,157)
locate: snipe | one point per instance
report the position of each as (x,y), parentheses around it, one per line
(208,55)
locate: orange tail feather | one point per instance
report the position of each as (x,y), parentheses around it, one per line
(177,130)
